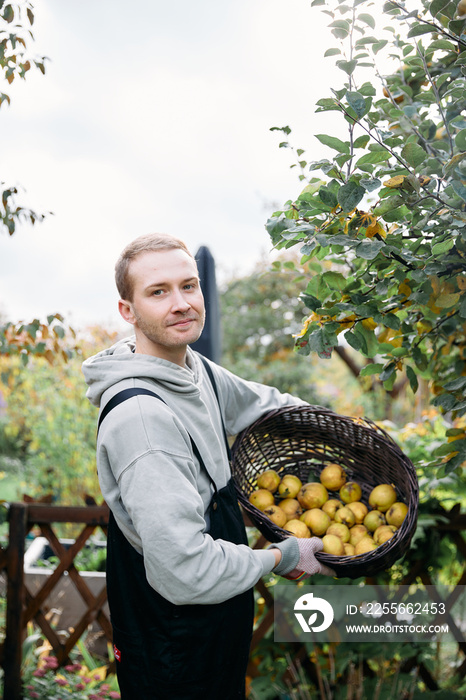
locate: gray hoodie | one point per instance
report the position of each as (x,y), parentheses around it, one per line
(151,480)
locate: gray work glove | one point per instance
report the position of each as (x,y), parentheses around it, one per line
(298,558)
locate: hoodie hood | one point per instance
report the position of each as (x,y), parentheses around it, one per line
(120,362)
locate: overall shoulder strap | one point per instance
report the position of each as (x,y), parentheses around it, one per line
(123,396)
(208,369)
(126,394)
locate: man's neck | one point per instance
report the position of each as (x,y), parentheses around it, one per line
(175,355)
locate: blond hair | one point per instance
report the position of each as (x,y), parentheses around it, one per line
(146,243)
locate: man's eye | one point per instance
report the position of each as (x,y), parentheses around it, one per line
(157,292)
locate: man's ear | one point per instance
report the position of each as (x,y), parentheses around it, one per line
(126,311)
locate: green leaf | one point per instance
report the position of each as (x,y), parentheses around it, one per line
(286,129)
(379,45)
(340,28)
(347,66)
(317,287)
(420,359)
(443,246)
(362,141)
(308,248)
(374,157)
(453,163)
(457,26)
(356,341)
(419,29)
(370,184)
(397,214)
(413,154)
(437,6)
(370,341)
(309,301)
(8,14)
(327,104)
(32,329)
(276,225)
(413,381)
(453,432)
(368,90)
(442,45)
(373,368)
(332,52)
(328,197)
(335,280)
(333,142)
(460,140)
(453,463)
(369,248)
(456,384)
(391,321)
(320,342)
(368,19)
(442,79)
(341,23)
(387,205)
(350,195)
(388,372)
(444,449)
(389,383)
(462,308)
(357,102)
(445,401)
(446,301)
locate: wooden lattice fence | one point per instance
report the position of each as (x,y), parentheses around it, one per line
(23,607)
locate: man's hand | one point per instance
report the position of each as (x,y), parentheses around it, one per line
(307,563)
(295,558)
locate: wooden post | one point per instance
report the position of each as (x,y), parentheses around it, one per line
(18,517)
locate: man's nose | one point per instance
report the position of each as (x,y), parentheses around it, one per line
(179,301)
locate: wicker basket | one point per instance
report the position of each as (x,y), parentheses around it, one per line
(301,440)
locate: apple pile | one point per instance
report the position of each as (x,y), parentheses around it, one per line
(331,509)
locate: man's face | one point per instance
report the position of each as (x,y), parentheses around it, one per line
(167,310)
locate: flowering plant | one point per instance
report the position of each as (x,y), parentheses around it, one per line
(46,681)
(72,681)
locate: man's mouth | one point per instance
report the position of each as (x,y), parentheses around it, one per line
(182,322)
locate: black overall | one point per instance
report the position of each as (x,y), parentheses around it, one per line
(178,652)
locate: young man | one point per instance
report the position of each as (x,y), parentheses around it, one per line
(180,574)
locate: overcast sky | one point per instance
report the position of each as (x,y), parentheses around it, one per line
(154,116)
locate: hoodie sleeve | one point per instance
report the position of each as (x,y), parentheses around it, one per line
(159,492)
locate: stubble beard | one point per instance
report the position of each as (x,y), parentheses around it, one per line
(161,336)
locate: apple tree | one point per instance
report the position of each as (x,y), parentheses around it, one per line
(383,218)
